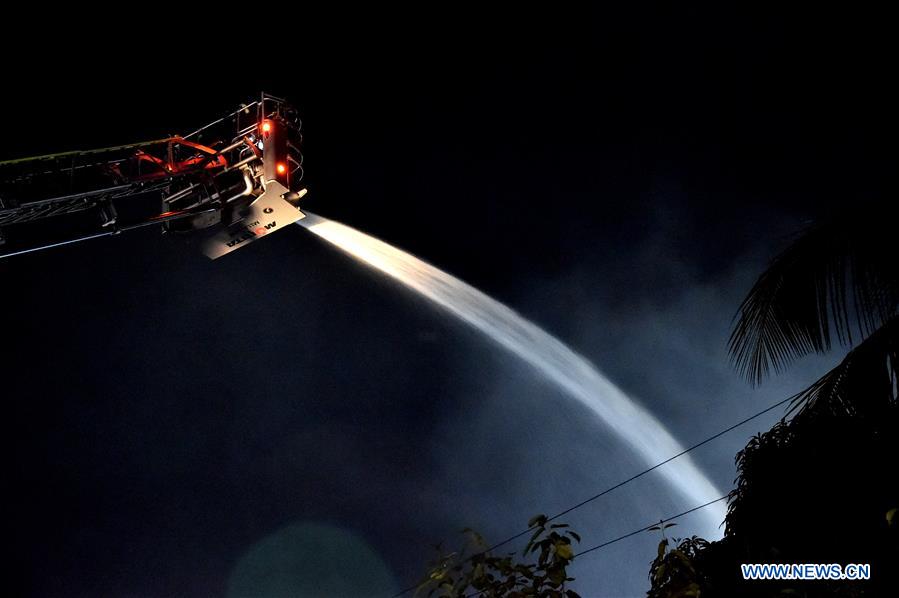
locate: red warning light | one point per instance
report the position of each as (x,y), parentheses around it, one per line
(281,168)
(266,126)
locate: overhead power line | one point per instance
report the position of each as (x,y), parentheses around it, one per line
(629,534)
(651,525)
(628,481)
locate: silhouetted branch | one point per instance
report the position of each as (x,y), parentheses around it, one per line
(840,278)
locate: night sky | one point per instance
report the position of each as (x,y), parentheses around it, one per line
(619,177)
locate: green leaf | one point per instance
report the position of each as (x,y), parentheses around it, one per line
(683,558)
(531,541)
(556,575)
(660,573)
(479,571)
(564,551)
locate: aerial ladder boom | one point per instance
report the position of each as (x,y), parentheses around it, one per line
(239,176)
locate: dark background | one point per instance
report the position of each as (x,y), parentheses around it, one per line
(619,176)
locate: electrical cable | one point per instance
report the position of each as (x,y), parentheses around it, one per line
(629,534)
(629,480)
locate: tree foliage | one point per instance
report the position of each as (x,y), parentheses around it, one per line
(816,489)
(864,383)
(820,487)
(475,571)
(674,572)
(838,281)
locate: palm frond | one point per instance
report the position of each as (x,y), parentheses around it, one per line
(863,384)
(838,279)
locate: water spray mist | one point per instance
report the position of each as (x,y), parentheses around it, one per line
(573,373)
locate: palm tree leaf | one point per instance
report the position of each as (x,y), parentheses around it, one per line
(863,384)
(838,279)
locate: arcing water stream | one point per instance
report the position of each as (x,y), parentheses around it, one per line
(547,354)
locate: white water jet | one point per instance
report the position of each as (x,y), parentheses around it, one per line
(547,354)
